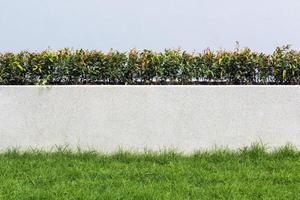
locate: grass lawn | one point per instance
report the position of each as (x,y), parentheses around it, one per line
(245,174)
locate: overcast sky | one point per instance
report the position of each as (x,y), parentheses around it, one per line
(152,24)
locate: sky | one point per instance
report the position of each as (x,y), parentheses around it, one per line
(191,25)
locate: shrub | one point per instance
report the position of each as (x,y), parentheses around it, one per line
(241,66)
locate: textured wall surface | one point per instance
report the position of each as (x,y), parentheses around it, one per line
(188,118)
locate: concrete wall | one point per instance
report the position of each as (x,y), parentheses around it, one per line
(154,117)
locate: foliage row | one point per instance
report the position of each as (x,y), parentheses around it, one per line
(241,66)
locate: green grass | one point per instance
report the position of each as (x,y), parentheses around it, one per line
(250,173)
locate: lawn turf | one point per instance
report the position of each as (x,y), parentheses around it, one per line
(250,173)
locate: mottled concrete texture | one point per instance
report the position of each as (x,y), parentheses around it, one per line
(187,118)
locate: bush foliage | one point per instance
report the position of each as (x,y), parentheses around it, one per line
(241,66)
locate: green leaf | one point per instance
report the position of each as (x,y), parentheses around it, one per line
(18,65)
(284,74)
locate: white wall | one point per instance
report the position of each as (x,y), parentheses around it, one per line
(153,24)
(154,117)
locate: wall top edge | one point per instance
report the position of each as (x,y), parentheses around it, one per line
(149,86)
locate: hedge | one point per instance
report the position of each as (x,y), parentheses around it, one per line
(241,66)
